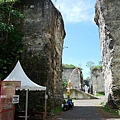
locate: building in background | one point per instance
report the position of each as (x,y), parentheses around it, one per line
(97,81)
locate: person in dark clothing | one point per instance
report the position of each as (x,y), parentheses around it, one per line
(70,103)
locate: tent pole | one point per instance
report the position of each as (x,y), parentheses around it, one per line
(26,109)
(45,104)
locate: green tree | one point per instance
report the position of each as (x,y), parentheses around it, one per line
(100,63)
(90,64)
(10,35)
(88,78)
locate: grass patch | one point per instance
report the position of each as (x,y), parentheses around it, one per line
(102,103)
(111,111)
(100,94)
(57,110)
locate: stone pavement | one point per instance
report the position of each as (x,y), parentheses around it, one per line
(83,110)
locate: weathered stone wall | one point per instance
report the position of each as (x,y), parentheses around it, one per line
(44,34)
(74,75)
(108,20)
(97,81)
(79,94)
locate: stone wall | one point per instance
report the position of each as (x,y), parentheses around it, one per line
(74,75)
(97,81)
(79,94)
(44,34)
(108,20)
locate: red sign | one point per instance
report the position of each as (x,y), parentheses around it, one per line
(7,90)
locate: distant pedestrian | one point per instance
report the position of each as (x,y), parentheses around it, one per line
(86,88)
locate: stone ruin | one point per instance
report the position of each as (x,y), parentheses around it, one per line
(73,75)
(107,17)
(96,81)
(44,33)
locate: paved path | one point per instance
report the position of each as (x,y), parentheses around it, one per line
(83,110)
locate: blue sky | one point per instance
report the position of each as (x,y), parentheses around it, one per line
(82,37)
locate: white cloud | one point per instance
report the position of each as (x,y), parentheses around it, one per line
(75,10)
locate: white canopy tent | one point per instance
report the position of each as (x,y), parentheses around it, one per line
(18,74)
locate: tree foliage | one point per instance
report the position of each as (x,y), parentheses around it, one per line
(100,63)
(99,66)
(64,83)
(10,35)
(68,66)
(71,66)
(90,64)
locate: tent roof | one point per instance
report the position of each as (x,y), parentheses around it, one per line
(18,74)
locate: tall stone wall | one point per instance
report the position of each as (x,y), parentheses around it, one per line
(97,80)
(44,34)
(73,75)
(108,20)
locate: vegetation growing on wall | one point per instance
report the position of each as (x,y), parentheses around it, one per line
(89,64)
(64,83)
(68,66)
(92,65)
(99,66)
(10,36)
(71,66)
